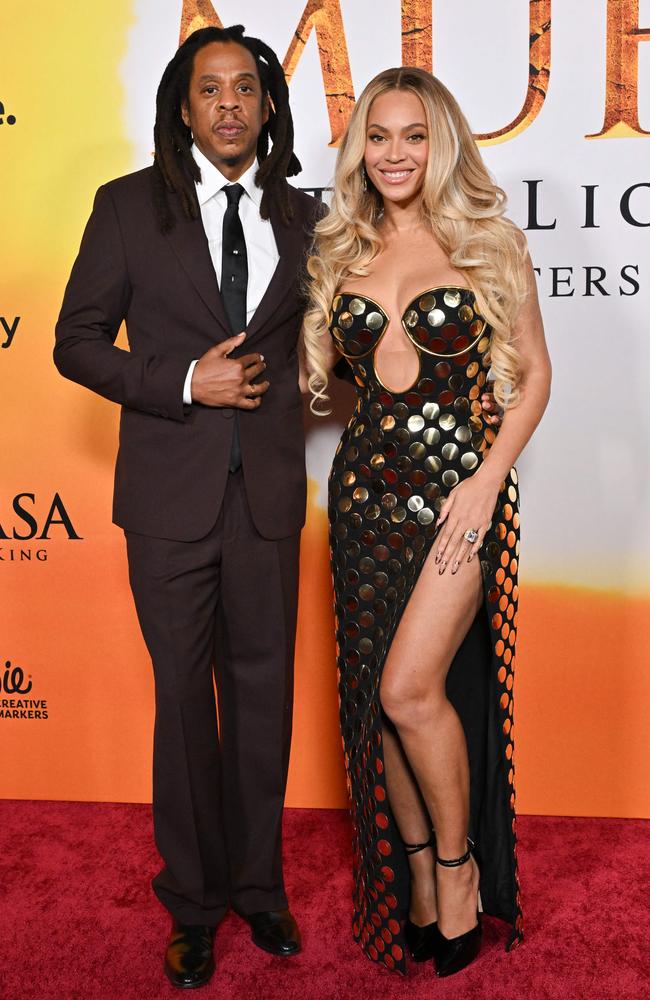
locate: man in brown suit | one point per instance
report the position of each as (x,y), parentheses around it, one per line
(210,475)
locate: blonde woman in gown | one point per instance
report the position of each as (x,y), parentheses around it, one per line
(422,287)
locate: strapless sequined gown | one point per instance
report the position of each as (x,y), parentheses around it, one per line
(399,457)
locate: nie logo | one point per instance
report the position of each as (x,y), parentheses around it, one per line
(13,680)
(15,684)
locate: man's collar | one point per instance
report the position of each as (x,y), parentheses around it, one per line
(212,180)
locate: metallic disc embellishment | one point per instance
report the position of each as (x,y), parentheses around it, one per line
(463,434)
(336,304)
(430,411)
(425,516)
(417,450)
(436,317)
(411,319)
(469,460)
(427,302)
(450,478)
(447,421)
(431,435)
(466,314)
(452,299)
(360,494)
(357,307)
(346,320)
(415,423)
(433,464)
(449,452)
(415,503)
(374,321)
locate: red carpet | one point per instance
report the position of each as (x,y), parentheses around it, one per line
(78,920)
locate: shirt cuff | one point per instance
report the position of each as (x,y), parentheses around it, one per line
(187,387)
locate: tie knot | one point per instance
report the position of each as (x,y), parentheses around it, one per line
(233,193)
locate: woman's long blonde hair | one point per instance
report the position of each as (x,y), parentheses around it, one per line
(463,207)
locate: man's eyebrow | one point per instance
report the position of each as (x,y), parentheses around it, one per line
(214,76)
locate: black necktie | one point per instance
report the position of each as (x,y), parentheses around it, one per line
(234,282)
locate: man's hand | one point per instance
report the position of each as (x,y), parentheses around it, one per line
(218,380)
(492,412)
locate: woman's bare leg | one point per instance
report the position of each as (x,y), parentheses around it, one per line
(435,622)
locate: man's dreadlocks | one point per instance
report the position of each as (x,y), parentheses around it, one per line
(174,166)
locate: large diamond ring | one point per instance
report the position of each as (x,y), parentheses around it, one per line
(471,535)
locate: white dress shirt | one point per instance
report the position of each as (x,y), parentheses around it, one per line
(261,248)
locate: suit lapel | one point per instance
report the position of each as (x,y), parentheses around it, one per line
(190,244)
(290,243)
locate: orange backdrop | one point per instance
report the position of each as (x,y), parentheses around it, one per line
(67,620)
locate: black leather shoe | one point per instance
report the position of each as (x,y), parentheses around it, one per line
(275,931)
(189,959)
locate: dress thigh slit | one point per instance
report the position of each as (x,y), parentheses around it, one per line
(376,563)
(398,459)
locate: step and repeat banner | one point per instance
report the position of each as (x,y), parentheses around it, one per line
(558,94)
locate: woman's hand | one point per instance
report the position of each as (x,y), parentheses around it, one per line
(469,507)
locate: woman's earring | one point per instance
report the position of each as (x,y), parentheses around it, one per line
(364,179)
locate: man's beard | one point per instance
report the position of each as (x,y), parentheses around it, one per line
(235,159)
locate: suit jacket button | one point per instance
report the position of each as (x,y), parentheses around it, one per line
(227,412)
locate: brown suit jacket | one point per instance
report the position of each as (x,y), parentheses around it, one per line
(172,463)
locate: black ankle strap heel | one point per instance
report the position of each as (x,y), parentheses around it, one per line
(420,941)
(453,954)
